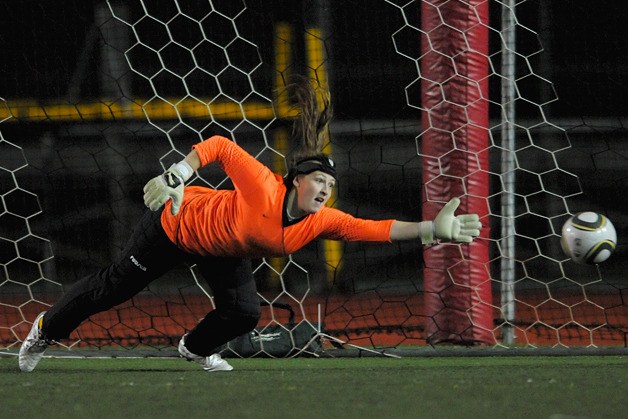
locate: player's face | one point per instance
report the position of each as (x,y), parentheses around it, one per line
(313,191)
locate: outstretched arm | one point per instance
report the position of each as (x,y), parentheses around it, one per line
(446,226)
(404,230)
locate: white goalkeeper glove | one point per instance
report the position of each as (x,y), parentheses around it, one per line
(448,227)
(168,185)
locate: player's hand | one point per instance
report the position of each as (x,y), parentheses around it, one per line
(167,186)
(461,228)
(448,227)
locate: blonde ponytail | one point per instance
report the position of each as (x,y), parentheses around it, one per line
(311,125)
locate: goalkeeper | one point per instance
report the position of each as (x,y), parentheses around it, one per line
(265,215)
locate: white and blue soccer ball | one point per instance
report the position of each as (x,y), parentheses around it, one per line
(588,238)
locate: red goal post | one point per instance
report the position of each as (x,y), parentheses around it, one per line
(454,148)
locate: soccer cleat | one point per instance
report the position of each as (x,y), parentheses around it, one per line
(209,363)
(33,347)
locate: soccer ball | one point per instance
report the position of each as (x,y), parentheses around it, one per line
(588,238)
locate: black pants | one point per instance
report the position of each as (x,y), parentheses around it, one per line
(147,256)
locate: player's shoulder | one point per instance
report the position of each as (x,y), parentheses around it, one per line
(331,214)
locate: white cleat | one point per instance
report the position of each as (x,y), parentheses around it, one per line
(209,363)
(33,347)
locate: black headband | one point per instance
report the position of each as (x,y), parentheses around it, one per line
(312,164)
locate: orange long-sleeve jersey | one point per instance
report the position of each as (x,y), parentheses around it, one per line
(250,220)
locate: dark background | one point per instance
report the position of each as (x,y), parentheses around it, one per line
(87,175)
(584,50)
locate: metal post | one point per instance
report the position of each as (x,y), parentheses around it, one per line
(507,241)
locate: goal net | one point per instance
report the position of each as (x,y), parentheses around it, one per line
(433,99)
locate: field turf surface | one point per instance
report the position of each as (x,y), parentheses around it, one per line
(372,387)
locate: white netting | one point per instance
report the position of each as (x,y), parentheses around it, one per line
(543,294)
(147,81)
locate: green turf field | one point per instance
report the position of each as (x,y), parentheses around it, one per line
(448,387)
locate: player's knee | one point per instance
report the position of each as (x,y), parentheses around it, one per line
(247,323)
(243,319)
